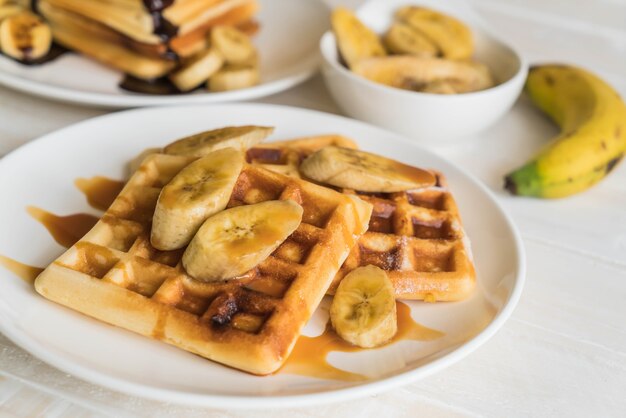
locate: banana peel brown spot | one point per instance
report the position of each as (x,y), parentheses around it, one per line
(612,163)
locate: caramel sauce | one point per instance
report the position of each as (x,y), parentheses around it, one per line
(23,271)
(99,191)
(422,177)
(66,230)
(308,357)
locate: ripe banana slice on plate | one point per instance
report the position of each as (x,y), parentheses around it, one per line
(354,40)
(24,36)
(403,39)
(234,77)
(197,70)
(238,239)
(414,73)
(451,36)
(198,191)
(203,143)
(234,45)
(592,141)
(363,311)
(362,171)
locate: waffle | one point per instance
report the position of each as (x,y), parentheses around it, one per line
(121,33)
(251,323)
(416,236)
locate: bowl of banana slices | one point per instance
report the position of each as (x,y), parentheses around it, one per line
(429,70)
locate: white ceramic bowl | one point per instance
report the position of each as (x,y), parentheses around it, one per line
(428,118)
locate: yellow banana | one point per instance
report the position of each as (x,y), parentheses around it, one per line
(354,40)
(592,118)
(452,37)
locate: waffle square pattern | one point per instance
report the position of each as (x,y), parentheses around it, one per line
(415,236)
(250,323)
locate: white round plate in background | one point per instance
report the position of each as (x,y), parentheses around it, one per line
(287,43)
(42,174)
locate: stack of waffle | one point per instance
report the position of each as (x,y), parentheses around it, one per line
(143,38)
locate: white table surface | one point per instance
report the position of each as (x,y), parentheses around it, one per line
(563,352)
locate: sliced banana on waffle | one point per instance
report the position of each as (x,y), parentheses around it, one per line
(197,70)
(414,73)
(234,45)
(452,37)
(403,39)
(362,171)
(363,311)
(198,191)
(203,143)
(234,77)
(354,40)
(25,37)
(238,239)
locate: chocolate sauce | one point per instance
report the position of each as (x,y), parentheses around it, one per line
(163,28)
(56,51)
(34,6)
(160,86)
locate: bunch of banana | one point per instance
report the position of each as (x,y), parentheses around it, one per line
(434,75)
(24,36)
(430,52)
(362,171)
(354,40)
(363,310)
(592,119)
(237,239)
(198,191)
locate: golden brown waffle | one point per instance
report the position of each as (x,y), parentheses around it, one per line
(140,59)
(416,236)
(251,323)
(135,21)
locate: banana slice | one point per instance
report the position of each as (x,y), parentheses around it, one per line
(198,191)
(360,170)
(354,40)
(197,70)
(440,87)
(234,45)
(451,36)
(203,143)
(9,9)
(234,77)
(414,73)
(363,311)
(238,239)
(403,39)
(25,36)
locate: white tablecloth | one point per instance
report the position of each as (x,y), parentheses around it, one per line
(563,352)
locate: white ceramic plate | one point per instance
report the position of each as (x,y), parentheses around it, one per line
(42,173)
(287,44)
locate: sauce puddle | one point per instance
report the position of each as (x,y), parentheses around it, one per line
(23,271)
(308,357)
(66,230)
(100,191)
